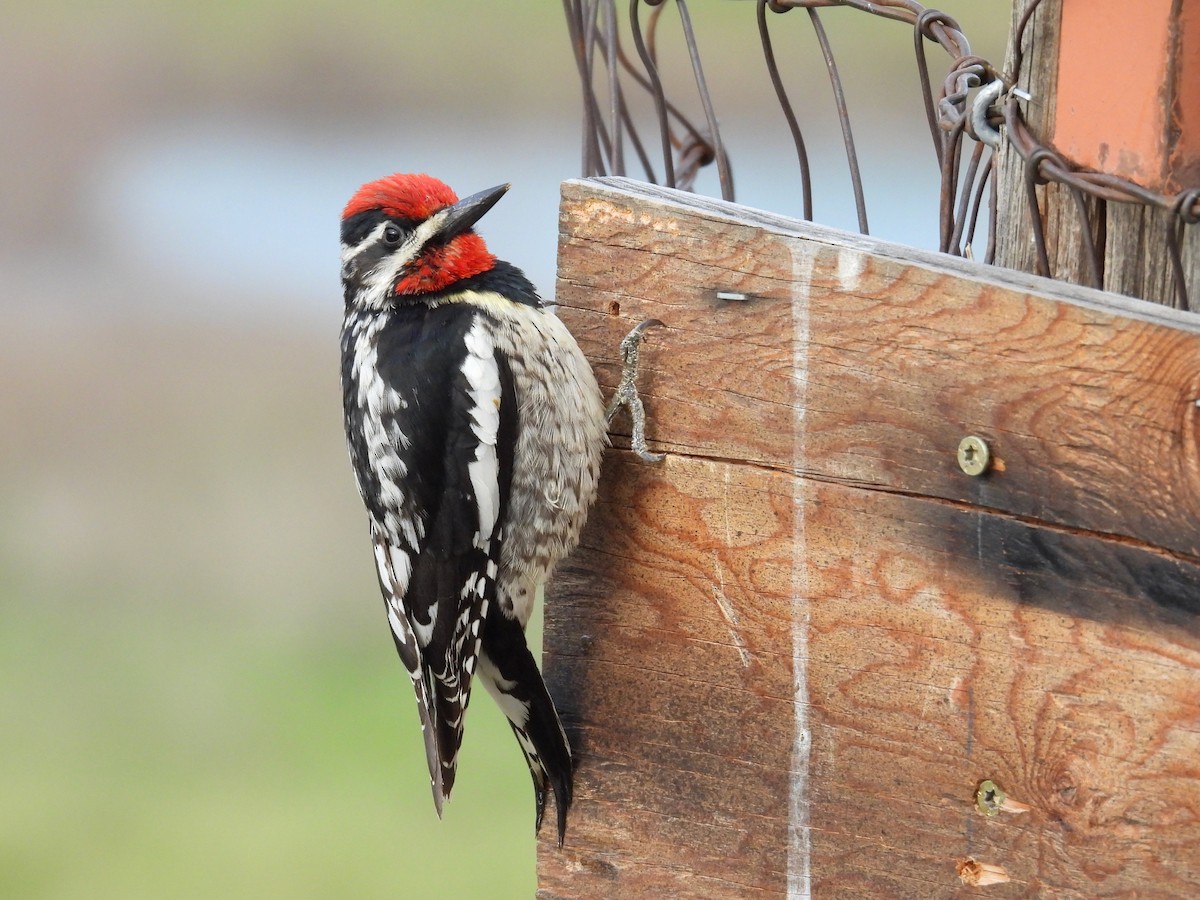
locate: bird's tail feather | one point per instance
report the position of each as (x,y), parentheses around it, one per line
(407,646)
(450,694)
(517,686)
(548,756)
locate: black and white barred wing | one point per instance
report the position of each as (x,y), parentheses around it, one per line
(439,587)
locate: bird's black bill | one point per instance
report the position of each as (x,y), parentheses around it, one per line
(469,210)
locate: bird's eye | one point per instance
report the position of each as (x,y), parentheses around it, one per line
(391,234)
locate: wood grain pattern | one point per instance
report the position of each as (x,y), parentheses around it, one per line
(945,646)
(972,646)
(1089,405)
(1015,248)
(1039,627)
(670,652)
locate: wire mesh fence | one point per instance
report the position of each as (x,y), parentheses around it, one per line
(970,112)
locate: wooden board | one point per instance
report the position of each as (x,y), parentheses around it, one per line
(788,655)
(1090,403)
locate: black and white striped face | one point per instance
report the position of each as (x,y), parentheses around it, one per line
(377,250)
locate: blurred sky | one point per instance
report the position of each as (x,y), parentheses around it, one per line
(198,690)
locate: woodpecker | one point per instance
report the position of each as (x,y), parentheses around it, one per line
(475,428)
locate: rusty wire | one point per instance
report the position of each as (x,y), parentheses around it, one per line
(965,113)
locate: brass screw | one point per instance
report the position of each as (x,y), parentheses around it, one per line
(974,457)
(989,797)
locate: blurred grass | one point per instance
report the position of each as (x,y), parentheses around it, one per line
(145,763)
(183,720)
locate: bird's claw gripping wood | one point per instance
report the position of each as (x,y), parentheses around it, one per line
(626,393)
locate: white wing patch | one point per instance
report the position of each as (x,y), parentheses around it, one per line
(395,569)
(483,380)
(516,711)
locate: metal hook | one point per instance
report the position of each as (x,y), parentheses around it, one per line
(984,100)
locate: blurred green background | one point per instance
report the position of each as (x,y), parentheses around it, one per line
(198,691)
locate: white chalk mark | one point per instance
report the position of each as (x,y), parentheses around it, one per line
(850,265)
(799,858)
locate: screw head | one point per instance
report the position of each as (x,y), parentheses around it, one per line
(974,457)
(989,797)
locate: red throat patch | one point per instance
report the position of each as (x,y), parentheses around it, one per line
(414,197)
(440,265)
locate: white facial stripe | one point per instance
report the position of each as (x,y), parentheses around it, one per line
(429,228)
(351,251)
(377,283)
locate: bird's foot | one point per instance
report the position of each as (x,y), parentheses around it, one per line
(626,393)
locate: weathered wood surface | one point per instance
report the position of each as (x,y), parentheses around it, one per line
(1014,232)
(1090,405)
(788,655)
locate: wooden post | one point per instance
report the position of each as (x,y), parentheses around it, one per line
(790,655)
(1116,89)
